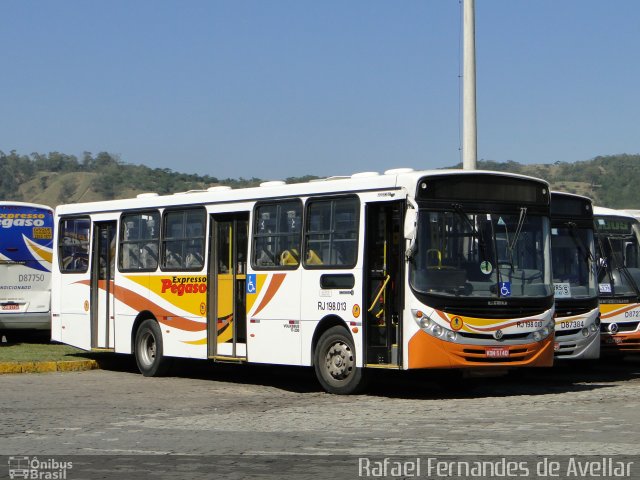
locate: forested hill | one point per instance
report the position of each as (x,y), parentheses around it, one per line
(57,178)
(610,181)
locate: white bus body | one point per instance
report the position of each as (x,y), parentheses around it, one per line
(26,239)
(618,242)
(574,276)
(431,269)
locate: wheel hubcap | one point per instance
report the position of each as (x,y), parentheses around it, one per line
(339,360)
(148,348)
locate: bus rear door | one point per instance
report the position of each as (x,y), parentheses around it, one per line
(102,285)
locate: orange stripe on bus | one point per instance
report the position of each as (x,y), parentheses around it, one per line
(618,311)
(274,285)
(139,303)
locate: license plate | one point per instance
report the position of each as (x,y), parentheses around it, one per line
(13,306)
(497,352)
(614,340)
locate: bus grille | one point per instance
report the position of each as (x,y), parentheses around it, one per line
(622,327)
(565,350)
(486,336)
(478,355)
(565,310)
(564,333)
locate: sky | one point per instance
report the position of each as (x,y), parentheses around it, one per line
(279,88)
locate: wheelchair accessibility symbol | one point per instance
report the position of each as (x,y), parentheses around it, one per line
(251,283)
(505,289)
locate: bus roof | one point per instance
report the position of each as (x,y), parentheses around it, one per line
(360,182)
(25,204)
(610,212)
(571,195)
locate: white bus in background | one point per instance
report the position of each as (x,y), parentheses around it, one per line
(26,239)
(574,277)
(404,270)
(618,251)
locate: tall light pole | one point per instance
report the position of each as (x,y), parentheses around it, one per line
(469,125)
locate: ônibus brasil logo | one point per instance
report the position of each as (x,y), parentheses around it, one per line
(35,468)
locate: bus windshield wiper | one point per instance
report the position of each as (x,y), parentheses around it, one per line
(588,256)
(474,231)
(516,235)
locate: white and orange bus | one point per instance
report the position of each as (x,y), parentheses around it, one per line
(574,277)
(26,239)
(401,270)
(618,244)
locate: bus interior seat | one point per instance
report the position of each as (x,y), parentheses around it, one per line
(289,257)
(313,258)
(150,255)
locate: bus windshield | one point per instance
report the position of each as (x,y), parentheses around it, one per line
(573,262)
(493,255)
(618,256)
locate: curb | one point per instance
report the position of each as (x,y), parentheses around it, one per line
(53,366)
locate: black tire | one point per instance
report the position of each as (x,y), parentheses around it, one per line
(335,363)
(148,350)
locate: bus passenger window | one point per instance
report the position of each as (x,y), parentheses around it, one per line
(183,241)
(139,240)
(332,232)
(276,235)
(73,245)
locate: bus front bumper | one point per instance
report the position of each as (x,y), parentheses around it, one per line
(578,347)
(426,351)
(619,343)
(25,321)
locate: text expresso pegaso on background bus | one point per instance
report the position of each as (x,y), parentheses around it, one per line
(26,239)
(405,270)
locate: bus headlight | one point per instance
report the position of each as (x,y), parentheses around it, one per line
(421,319)
(594,326)
(545,332)
(585,332)
(537,336)
(432,328)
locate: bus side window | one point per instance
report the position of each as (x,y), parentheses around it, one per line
(183,241)
(277,235)
(331,232)
(73,246)
(139,241)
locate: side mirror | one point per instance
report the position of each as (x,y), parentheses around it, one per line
(410,231)
(630,260)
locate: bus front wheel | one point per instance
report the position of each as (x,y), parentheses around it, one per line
(335,363)
(148,350)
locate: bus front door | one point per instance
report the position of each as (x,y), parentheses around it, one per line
(383,283)
(226,312)
(102,286)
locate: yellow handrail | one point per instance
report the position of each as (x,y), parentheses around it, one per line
(382,288)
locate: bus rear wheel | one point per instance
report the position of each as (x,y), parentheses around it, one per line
(148,350)
(335,363)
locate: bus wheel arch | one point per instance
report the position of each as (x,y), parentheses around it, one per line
(142,316)
(334,358)
(148,346)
